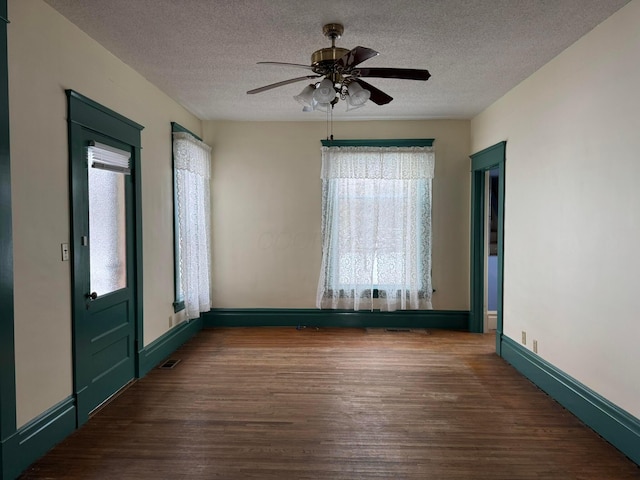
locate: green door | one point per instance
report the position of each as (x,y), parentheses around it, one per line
(104,265)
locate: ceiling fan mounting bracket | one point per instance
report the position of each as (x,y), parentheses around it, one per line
(333,31)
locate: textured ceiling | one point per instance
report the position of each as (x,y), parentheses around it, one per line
(203,53)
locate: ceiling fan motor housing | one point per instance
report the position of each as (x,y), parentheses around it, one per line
(322,60)
(326,57)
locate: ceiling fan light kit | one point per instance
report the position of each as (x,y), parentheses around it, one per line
(340,79)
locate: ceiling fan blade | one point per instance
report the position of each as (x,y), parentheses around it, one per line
(298,65)
(401,73)
(354,57)
(377,95)
(280,84)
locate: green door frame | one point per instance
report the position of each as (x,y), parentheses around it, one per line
(84,113)
(7,346)
(481,162)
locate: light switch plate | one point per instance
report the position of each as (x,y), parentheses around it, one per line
(64,249)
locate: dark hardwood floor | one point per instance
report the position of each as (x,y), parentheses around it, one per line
(278,403)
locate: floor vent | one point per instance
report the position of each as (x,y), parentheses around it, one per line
(169,364)
(397,329)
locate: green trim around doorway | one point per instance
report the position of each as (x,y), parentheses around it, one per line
(309,317)
(85,115)
(7,346)
(615,425)
(481,162)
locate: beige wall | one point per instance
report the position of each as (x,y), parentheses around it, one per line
(572,201)
(47,55)
(266,201)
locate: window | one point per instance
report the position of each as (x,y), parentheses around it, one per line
(376,227)
(192,173)
(107,217)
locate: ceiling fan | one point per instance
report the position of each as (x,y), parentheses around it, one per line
(343,78)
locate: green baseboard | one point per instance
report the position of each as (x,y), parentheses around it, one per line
(303,317)
(615,425)
(36,438)
(161,348)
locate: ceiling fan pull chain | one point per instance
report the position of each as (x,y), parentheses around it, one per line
(331,121)
(327,124)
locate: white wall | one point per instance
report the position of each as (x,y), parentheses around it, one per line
(572,207)
(47,55)
(266,194)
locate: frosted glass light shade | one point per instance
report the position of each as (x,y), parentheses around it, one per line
(305,97)
(325,93)
(358,96)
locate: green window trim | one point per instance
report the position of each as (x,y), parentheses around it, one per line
(176,127)
(178,304)
(397,142)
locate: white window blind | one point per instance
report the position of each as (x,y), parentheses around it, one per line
(110,158)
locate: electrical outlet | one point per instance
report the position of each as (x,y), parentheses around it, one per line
(170,320)
(535,346)
(524,337)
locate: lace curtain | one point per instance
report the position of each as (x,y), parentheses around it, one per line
(376,228)
(192,169)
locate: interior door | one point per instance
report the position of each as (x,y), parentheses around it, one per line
(103,268)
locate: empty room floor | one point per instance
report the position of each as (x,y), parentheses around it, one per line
(282,403)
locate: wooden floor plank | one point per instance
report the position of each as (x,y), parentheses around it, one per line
(280,403)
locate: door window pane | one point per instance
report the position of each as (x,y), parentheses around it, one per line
(107,231)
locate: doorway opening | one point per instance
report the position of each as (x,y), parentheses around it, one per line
(491,250)
(487,196)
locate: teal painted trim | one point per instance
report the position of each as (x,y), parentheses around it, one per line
(481,162)
(87,113)
(283,317)
(37,437)
(500,252)
(615,425)
(489,157)
(161,348)
(178,306)
(398,142)
(7,348)
(176,127)
(477,272)
(139,266)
